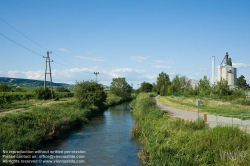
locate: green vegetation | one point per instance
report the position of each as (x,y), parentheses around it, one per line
(13,100)
(172,141)
(29,129)
(146,87)
(89,94)
(28,82)
(163,81)
(121,88)
(4,88)
(207,106)
(241,83)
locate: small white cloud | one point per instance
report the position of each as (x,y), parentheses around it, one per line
(162,67)
(150,77)
(171,73)
(1,72)
(162,61)
(240,65)
(100,59)
(64,50)
(124,70)
(139,58)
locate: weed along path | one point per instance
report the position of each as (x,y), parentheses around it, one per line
(212,120)
(43,103)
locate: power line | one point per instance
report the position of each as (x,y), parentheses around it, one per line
(61,64)
(36,42)
(23,34)
(20,45)
(30,49)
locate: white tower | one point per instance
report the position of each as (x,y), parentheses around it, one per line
(213,65)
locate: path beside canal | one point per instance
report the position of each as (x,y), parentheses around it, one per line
(212,120)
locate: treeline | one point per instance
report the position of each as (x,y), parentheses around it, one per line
(181,86)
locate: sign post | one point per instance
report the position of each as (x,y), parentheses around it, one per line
(198,103)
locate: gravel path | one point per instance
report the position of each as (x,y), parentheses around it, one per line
(211,119)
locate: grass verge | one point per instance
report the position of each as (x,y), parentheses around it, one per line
(172,141)
(207,106)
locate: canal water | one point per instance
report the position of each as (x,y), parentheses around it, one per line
(104,141)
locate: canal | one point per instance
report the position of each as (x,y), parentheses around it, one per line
(105,140)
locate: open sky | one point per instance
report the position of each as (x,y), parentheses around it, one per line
(122,38)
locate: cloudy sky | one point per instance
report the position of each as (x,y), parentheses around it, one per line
(127,38)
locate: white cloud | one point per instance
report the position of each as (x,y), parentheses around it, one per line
(100,59)
(240,65)
(150,77)
(28,74)
(162,61)
(139,58)
(64,50)
(162,67)
(129,73)
(1,72)
(124,70)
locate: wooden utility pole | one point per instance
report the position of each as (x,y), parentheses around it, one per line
(45,73)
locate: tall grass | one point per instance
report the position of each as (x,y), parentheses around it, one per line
(173,141)
(28,130)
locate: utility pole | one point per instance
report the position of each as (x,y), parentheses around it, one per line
(46,72)
(96,76)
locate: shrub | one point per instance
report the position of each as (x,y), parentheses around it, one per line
(90,93)
(44,94)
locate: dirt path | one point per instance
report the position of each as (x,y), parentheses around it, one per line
(212,120)
(35,105)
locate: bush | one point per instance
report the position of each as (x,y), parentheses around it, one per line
(241,101)
(44,94)
(90,93)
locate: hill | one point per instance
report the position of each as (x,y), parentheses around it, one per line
(28,82)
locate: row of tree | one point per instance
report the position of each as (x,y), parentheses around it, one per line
(182,85)
(92,93)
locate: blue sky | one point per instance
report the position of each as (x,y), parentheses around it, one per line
(132,39)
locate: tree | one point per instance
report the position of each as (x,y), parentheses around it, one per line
(203,87)
(162,83)
(90,93)
(4,88)
(146,87)
(181,84)
(19,89)
(229,62)
(61,89)
(223,88)
(241,83)
(121,88)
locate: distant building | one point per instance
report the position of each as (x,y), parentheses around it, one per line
(228,73)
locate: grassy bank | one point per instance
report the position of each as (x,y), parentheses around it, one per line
(29,129)
(172,141)
(207,106)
